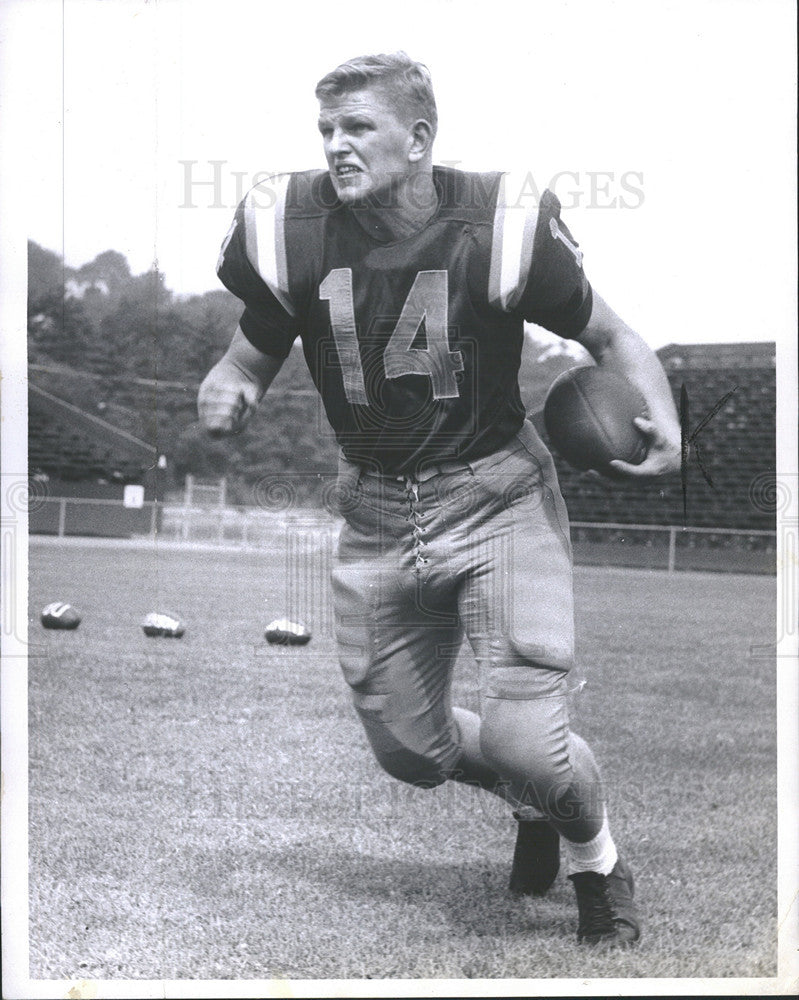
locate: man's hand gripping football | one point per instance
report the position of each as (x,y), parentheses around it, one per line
(663,455)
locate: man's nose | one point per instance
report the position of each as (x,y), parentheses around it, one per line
(338,141)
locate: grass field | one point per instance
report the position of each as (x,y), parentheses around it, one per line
(207,808)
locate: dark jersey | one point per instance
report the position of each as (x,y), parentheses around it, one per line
(415,345)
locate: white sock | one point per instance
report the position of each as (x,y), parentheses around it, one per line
(597,855)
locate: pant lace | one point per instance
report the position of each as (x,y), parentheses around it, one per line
(412,493)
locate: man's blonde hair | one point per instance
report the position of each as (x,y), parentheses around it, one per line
(408,81)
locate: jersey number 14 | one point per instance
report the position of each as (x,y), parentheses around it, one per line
(427,303)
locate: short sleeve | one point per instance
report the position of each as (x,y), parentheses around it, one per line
(537,266)
(266,322)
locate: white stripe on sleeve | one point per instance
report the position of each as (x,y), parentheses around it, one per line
(515,220)
(264,211)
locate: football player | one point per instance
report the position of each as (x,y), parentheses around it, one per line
(409,285)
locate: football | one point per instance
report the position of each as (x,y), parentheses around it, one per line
(588,415)
(164,626)
(60,615)
(285,633)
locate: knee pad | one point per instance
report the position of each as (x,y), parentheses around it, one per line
(410,767)
(529,740)
(403,749)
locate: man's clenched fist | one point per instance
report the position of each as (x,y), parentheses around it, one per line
(227,399)
(233,388)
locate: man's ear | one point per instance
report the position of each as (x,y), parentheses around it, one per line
(421,140)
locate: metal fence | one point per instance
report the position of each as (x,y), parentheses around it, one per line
(674,547)
(669,547)
(92,516)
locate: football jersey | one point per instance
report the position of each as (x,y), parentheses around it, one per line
(413,345)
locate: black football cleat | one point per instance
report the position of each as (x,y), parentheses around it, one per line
(536,858)
(607,911)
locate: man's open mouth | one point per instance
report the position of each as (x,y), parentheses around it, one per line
(347,169)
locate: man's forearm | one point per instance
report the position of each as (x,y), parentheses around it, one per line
(248,361)
(231,391)
(616,346)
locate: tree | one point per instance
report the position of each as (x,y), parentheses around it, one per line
(58,328)
(109,270)
(45,275)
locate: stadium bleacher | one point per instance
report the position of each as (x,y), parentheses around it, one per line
(59,452)
(82,458)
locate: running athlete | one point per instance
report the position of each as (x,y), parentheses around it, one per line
(409,285)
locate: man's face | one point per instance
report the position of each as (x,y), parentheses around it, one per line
(365,143)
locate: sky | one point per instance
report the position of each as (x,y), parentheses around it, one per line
(666,129)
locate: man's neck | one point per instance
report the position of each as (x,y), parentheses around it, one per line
(401,213)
